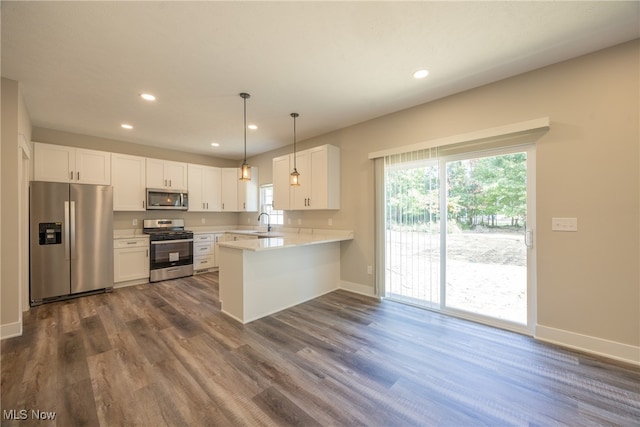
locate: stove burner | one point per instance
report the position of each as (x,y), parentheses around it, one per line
(166,229)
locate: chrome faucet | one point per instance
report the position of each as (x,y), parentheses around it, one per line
(268,220)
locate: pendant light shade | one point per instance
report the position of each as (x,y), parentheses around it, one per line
(294,176)
(245,171)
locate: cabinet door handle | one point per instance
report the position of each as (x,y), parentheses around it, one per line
(143,204)
(132,243)
(78,176)
(165,182)
(202,205)
(207,205)
(71,175)
(169,183)
(147,253)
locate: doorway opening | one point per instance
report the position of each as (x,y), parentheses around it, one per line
(456,237)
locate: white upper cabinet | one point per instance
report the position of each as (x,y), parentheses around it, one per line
(204,188)
(57,163)
(236,195)
(229,178)
(301,194)
(165,174)
(128,180)
(281,169)
(319,187)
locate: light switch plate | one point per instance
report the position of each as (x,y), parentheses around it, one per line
(564,224)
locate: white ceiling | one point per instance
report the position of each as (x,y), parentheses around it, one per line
(83,64)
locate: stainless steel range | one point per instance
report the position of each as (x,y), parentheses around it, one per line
(171,249)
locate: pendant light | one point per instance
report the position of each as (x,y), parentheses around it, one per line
(294,177)
(245,171)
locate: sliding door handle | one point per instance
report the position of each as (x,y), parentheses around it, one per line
(528,238)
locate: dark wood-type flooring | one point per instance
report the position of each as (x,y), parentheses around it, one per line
(164,354)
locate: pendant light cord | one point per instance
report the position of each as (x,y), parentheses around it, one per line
(245,129)
(294,115)
(294,140)
(245,96)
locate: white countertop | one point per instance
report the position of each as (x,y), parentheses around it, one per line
(290,239)
(280,237)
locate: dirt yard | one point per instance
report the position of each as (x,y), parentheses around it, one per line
(486,271)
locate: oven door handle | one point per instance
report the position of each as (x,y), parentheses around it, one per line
(167,242)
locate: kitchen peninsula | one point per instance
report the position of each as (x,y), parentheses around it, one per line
(262,276)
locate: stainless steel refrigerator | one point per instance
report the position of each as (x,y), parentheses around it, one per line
(71,240)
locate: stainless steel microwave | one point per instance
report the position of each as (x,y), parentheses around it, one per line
(167,199)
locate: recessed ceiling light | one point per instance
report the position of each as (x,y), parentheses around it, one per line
(215,144)
(421,74)
(126,126)
(147,97)
(252,127)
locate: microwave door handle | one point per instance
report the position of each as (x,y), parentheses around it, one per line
(67,253)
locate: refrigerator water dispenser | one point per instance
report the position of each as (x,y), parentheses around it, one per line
(50,233)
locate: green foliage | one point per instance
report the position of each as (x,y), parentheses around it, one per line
(487,188)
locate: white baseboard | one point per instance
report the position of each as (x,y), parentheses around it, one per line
(357,288)
(611,349)
(10,330)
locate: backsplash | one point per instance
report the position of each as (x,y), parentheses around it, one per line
(124,220)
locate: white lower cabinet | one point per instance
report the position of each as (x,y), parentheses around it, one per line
(204,251)
(130,261)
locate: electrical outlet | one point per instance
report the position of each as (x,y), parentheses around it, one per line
(134,222)
(299,221)
(289,221)
(248,220)
(202,220)
(369,269)
(330,222)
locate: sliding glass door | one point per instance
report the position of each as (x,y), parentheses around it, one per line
(456,234)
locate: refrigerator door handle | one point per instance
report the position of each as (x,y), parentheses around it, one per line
(67,254)
(72,237)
